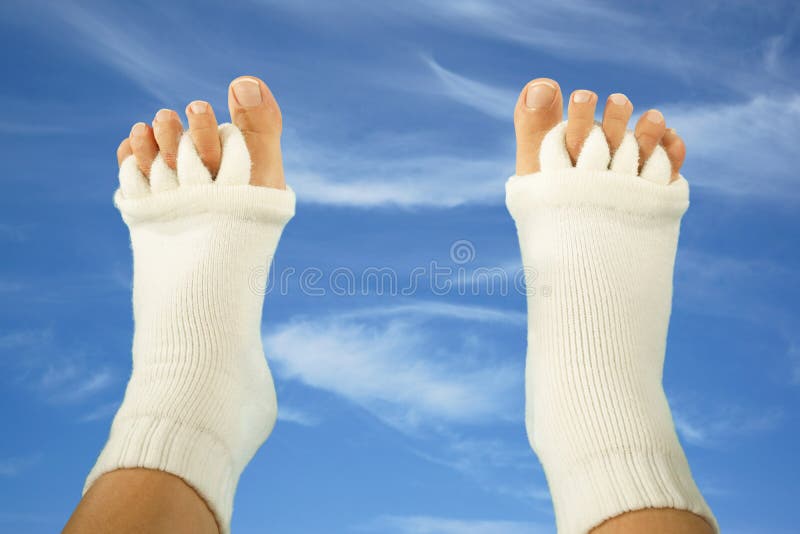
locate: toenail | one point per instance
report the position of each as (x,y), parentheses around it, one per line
(138,129)
(164,115)
(198,106)
(581,97)
(655,116)
(619,99)
(540,95)
(247,92)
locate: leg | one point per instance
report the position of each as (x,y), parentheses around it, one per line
(655,521)
(601,236)
(129,501)
(205,211)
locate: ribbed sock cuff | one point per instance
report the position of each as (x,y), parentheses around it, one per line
(611,483)
(193,454)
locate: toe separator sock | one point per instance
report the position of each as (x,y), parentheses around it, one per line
(598,247)
(200,400)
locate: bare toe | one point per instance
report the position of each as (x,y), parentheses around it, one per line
(167,129)
(256,113)
(649,131)
(616,115)
(124,150)
(539,108)
(580,120)
(144,147)
(205,134)
(676,151)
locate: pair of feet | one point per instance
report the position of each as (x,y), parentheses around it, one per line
(255,112)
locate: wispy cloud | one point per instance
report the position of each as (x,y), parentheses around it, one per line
(738,288)
(415,369)
(91,383)
(11,467)
(376,178)
(291,414)
(421,524)
(432,308)
(724,157)
(476,456)
(756,160)
(102,412)
(493,101)
(108,35)
(54,373)
(394,368)
(377,172)
(600,32)
(742,148)
(716,424)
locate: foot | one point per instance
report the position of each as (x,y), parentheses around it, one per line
(253,110)
(540,108)
(205,209)
(599,227)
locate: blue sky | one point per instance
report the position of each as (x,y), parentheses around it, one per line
(400,413)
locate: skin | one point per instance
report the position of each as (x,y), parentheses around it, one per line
(536,112)
(255,112)
(128,501)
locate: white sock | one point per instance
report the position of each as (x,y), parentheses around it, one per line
(200,400)
(598,244)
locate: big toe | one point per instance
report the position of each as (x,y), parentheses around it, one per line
(539,108)
(256,113)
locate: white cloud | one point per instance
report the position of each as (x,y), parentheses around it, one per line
(596,32)
(291,414)
(441,309)
(741,148)
(11,467)
(744,148)
(112,36)
(102,412)
(397,363)
(421,524)
(491,100)
(714,424)
(375,179)
(475,456)
(732,287)
(397,370)
(417,170)
(20,339)
(54,373)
